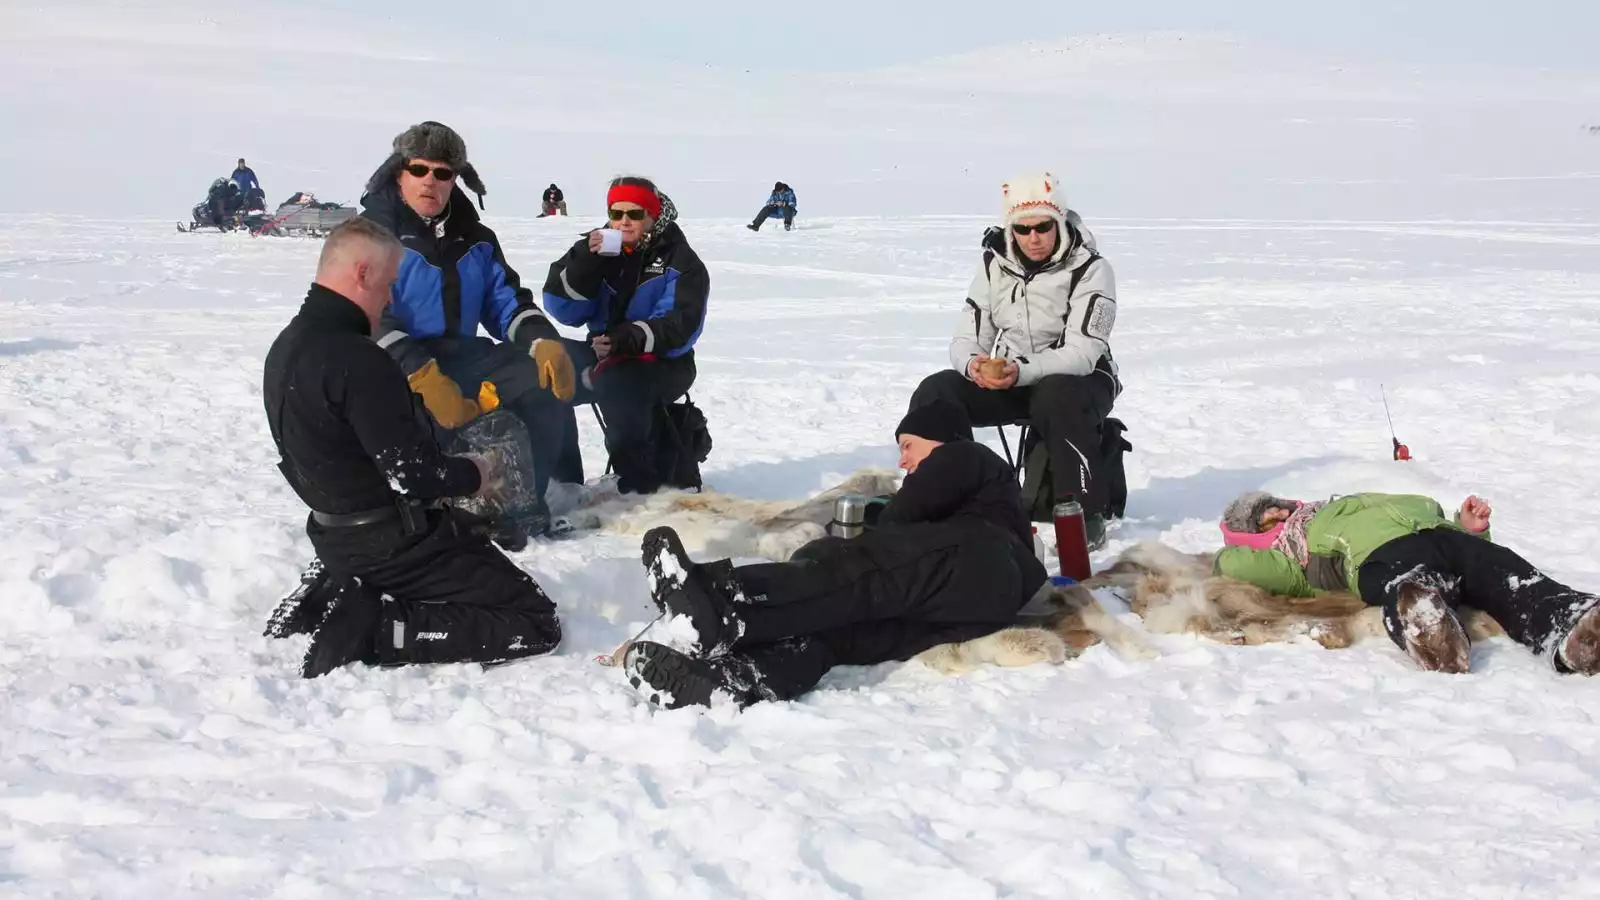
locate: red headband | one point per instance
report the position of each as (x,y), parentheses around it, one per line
(633,193)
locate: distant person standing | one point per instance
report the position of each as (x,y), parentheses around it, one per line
(780,203)
(249,185)
(554,203)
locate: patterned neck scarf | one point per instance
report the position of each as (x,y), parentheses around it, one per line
(1292,540)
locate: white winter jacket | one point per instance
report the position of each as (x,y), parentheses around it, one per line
(1055,321)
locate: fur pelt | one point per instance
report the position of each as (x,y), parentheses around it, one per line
(717,525)
(1175,593)
(1171,591)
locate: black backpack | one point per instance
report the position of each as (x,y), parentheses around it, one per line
(685,443)
(1038,494)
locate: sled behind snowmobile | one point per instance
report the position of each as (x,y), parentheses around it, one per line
(304,214)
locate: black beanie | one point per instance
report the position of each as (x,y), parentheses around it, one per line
(939,420)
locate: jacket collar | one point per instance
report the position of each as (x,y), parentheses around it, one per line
(328,305)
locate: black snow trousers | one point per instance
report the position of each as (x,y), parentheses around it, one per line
(887,595)
(448,595)
(1535,610)
(1066,410)
(632,394)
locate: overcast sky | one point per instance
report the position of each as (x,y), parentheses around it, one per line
(854,34)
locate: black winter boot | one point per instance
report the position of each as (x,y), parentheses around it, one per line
(302,612)
(670,679)
(670,567)
(700,593)
(347,635)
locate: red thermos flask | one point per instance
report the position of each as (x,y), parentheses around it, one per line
(1072,541)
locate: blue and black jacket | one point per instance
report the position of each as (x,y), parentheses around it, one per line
(245,178)
(453,278)
(780,199)
(660,288)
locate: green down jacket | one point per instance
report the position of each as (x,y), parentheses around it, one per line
(1340,537)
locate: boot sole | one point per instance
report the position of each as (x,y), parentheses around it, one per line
(666,563)
(1580,649)
(1433,634)
(666,678)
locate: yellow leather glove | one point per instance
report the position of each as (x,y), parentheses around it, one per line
(488,397)
(442,396)
(555,368)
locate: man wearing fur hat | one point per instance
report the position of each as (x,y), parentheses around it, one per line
(950,559)
(453,279)
(1033,343)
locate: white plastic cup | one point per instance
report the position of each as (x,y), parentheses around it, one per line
(610,242)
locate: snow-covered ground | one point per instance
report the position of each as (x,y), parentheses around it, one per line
(154,744)
(1288,232)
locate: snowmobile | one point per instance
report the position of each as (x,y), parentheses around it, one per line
(226,208)
(304,214)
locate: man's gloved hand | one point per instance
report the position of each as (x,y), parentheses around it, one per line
(626,340)
(442,396)
(555,367)
(491,476)
(488,397)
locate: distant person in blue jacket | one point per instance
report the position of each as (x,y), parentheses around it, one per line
(641,291)
(249,187)
(453,279)
(781,203)
(245,177)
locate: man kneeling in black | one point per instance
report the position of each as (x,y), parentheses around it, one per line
(950,559)
(402,579)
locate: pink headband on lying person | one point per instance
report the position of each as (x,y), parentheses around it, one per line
(1255,540)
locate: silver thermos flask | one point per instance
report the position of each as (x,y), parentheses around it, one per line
(849,516)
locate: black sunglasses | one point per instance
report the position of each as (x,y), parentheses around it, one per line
(1045,227)
(635,214)
(440,173)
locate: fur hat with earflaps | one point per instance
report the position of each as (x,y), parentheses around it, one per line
(1243,515)
(429,140)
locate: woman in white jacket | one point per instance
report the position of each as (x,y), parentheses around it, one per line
(1033,341)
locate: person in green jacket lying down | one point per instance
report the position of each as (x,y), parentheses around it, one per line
(1400,552)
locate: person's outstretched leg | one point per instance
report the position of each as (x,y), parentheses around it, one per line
(782,670)
(1535,610)
(939,574)
(672,679)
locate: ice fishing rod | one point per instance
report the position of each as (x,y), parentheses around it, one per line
(1402,453)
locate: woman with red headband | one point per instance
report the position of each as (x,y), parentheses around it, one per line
(641,291)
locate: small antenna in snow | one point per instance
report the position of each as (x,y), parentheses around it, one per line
(1402,453)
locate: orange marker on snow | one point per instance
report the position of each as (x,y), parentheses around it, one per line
(1402,453)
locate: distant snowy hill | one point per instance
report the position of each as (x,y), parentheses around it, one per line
(1149,124)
